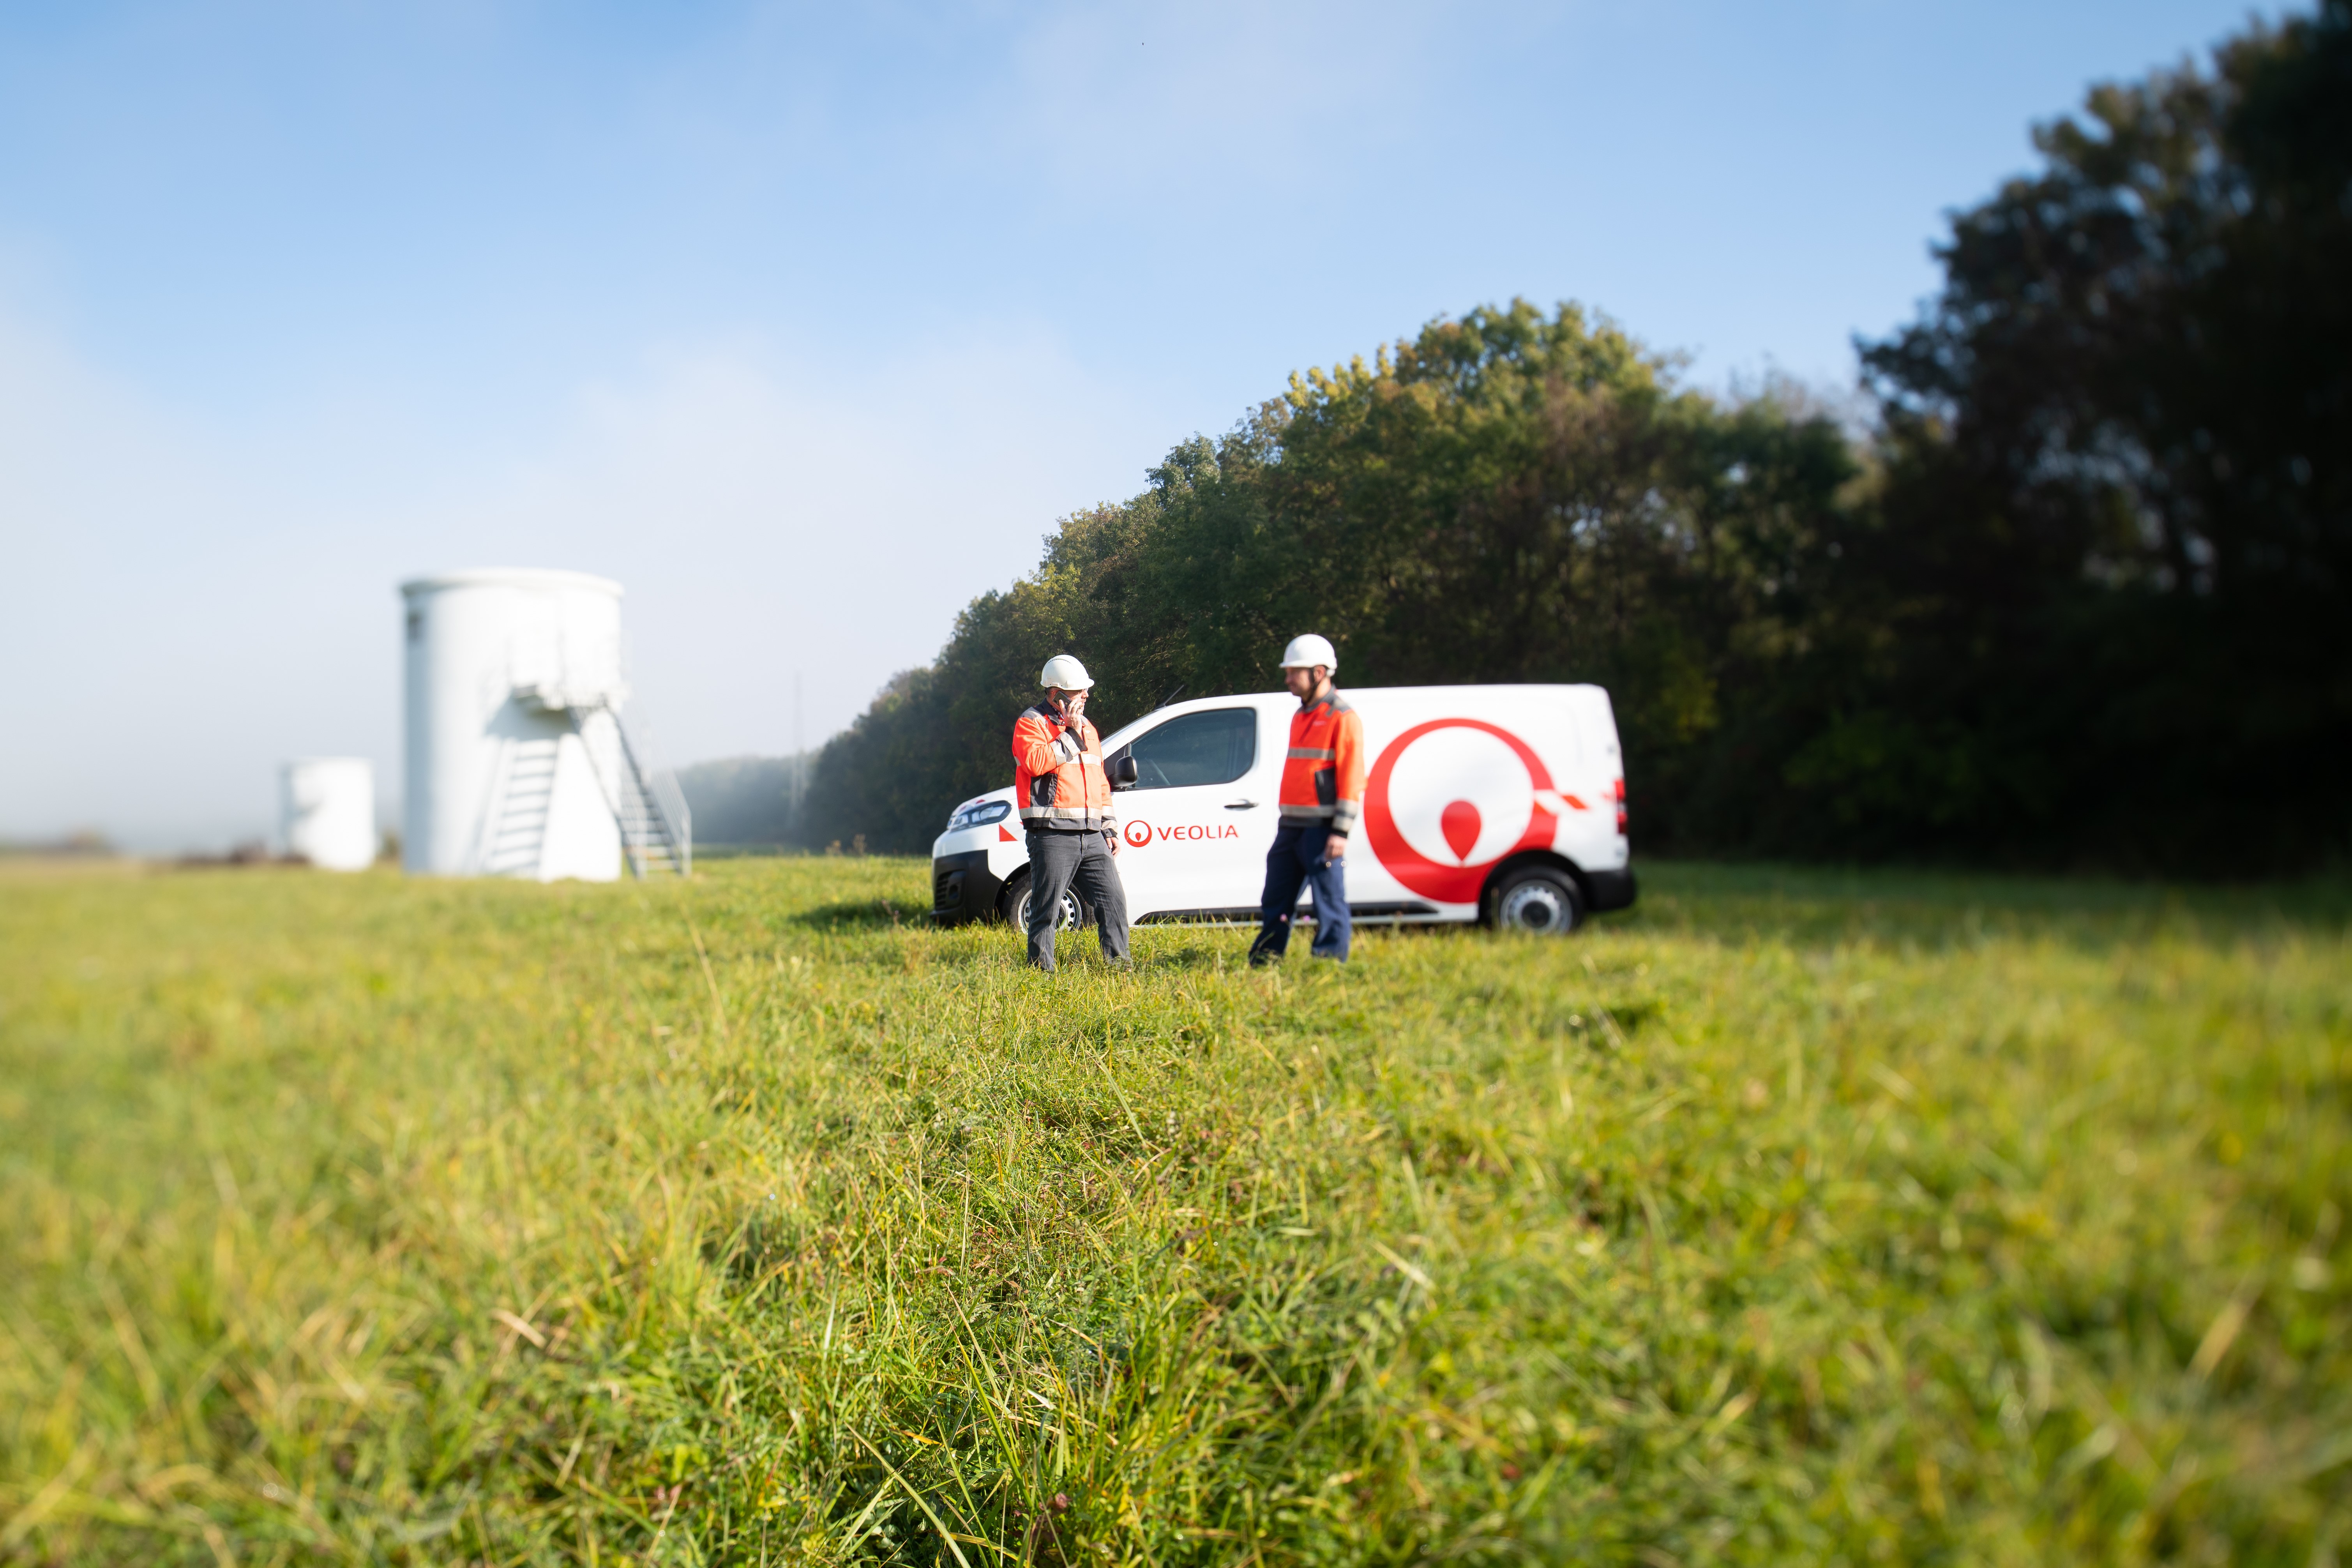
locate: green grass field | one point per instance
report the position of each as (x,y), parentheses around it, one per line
(1794,1218)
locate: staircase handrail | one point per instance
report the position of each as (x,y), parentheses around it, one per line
(661,792)
(663,804)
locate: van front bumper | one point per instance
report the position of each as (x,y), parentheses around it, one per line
(963,890)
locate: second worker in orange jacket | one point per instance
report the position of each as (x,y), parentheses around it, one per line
(1322,798)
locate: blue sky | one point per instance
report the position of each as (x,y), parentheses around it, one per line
(805,323)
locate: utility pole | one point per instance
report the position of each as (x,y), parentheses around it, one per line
(800,752)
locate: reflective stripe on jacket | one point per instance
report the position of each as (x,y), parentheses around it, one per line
(1057,772)
(1323,776)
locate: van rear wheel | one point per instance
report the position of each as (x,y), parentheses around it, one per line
(1016,905)
(1538,899)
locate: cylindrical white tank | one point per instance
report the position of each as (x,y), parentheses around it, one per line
(327,811)
(501,778)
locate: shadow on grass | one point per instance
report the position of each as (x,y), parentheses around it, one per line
(864,914)
(1930,908)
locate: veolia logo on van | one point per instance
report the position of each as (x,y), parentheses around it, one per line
(1475,794)
(1138,834)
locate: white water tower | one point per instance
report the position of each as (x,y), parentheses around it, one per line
(519,764)
(327,811)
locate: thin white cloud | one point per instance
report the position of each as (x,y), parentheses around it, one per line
(1186,99)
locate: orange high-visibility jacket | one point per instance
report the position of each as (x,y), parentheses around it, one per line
(1057,772)
(1323,775)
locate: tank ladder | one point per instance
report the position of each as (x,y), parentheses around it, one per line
(518,829)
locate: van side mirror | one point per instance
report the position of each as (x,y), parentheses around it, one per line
(1122,769)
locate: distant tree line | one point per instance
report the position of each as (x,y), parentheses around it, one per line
(2078,597)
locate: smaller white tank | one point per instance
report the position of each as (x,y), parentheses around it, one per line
(327,807)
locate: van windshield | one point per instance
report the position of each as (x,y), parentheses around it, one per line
(1212,748)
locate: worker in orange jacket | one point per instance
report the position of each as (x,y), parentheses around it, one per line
(1065,799)
(1322,797)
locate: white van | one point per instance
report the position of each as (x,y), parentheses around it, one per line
(1505,804)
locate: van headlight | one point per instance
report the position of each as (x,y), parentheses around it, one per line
(979,814)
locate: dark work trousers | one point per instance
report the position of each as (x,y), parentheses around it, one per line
(1298,858)
(1059,862)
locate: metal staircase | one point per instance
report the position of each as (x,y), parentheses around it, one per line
(656,828)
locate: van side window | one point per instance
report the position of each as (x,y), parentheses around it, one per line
(1213,748)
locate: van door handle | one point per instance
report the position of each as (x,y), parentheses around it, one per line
(1241,805)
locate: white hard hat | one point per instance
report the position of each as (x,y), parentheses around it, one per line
(1307,651)
(1063,672)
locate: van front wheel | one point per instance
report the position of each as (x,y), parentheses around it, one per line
(1016,905)
(1536,898)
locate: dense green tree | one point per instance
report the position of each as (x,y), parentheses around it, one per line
(1510,495)
(2118,522)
